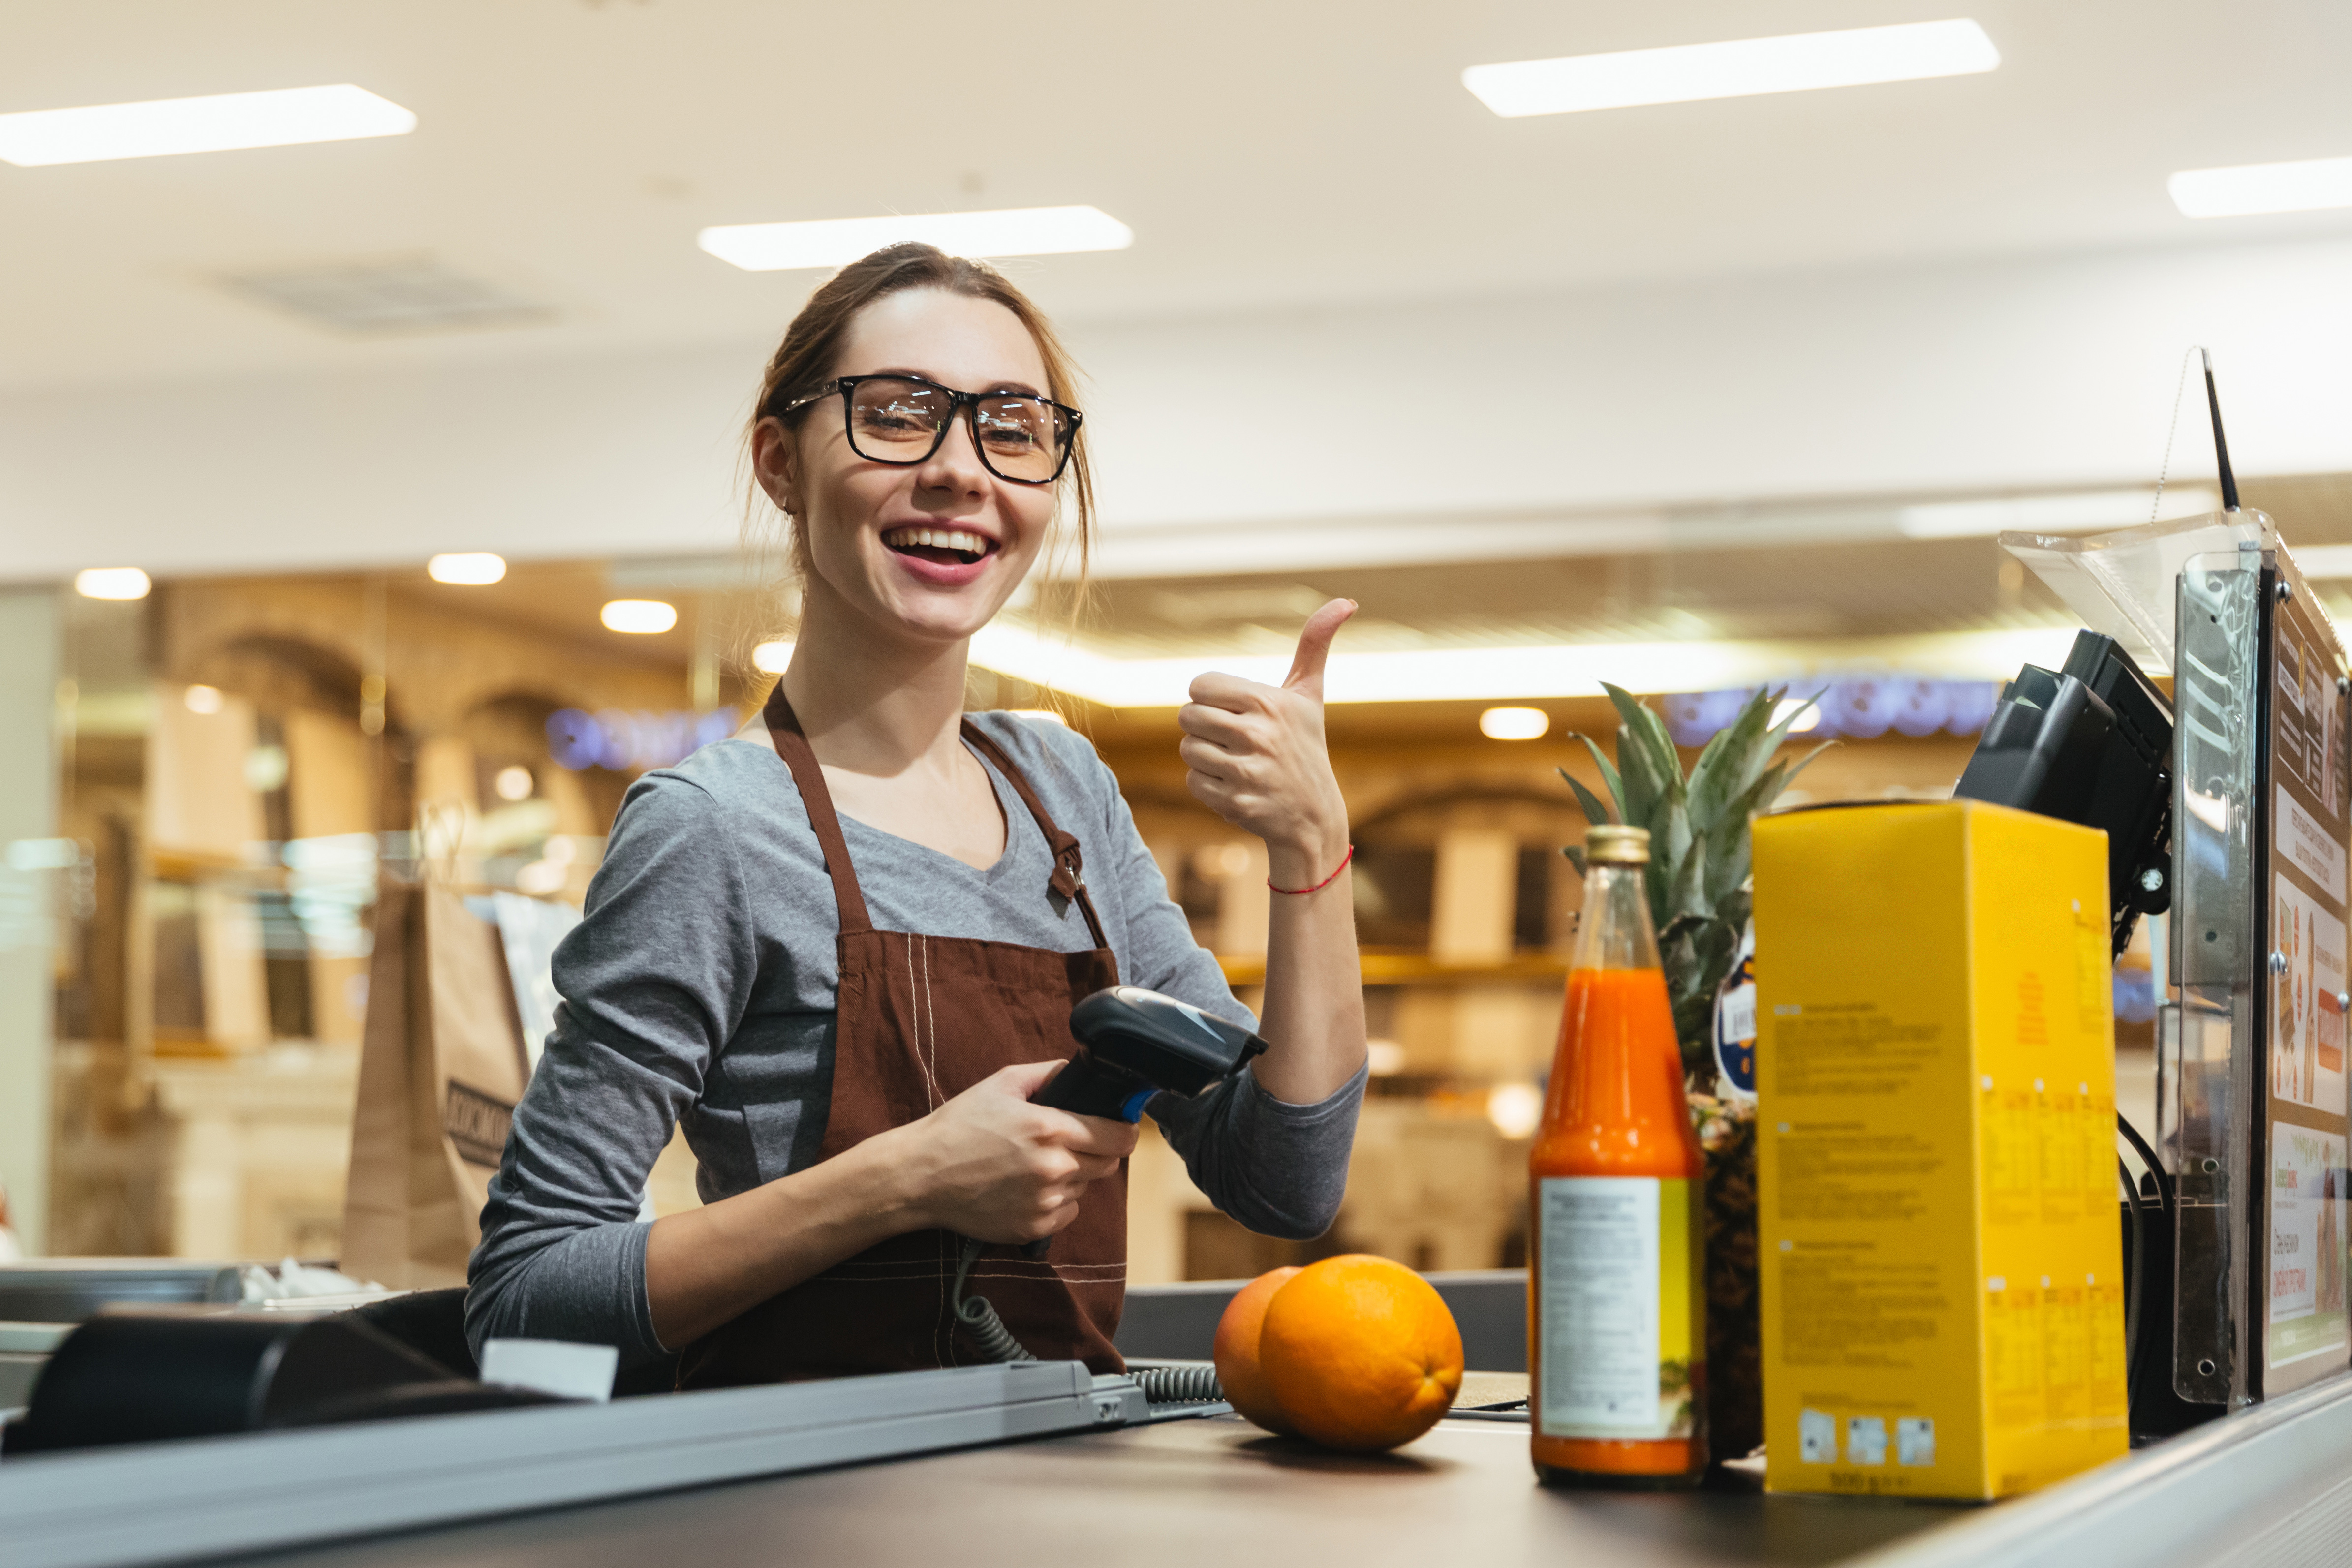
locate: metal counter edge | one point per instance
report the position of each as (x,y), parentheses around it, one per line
(2251,1488)
(171,1501)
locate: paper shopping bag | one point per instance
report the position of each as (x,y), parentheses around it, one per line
(441,1069)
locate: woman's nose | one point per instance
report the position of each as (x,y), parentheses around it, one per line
(956,465)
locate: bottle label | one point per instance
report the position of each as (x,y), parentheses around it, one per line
(1734,1026)
(1615,1307)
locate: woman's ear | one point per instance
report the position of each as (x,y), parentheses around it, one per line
(776,463)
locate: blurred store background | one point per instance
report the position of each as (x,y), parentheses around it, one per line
(370,507)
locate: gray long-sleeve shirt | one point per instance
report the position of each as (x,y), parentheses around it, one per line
(700,988)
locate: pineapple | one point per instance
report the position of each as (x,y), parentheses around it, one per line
(1697,875)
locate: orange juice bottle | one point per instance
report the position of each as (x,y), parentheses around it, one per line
(1616,1282)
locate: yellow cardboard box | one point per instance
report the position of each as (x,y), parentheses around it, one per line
(1942,1269)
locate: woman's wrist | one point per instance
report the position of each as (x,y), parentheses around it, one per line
(1305,859)
(887,1167)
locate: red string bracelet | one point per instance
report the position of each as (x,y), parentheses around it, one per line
(1302,892)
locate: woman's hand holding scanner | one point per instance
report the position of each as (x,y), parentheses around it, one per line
(993,1166)
(1258,759)
(987,1164)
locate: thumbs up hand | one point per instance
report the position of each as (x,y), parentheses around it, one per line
(1257,758)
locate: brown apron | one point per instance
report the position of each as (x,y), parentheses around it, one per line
(920,1019)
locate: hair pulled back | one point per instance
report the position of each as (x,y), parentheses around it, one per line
(805,360)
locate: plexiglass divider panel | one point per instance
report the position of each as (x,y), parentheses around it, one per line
(2213,934)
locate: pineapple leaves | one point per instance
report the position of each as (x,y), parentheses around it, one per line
(1596,811)
(1803,763)
(1728,765)
(1686,894)
(1697,878)
(1646,763)
(1607,776)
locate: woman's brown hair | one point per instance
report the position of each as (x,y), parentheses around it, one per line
(805,361)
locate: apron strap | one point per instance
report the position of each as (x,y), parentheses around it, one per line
(1068,880)
(792,743)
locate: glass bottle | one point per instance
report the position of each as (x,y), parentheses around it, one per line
(1616,1275)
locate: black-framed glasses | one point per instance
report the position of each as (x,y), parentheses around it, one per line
(903,420)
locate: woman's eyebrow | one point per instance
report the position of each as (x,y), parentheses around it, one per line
(1006,384)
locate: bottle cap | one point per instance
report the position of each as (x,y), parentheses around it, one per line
(1612,843)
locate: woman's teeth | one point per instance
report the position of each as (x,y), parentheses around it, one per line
(965,545)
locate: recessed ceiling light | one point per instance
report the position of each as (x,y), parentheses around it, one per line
(217,124)
(834,242)
(640,615)
(1515,1109)
(1808,715)
(772,657)
(474,569)
(2303,187)
(1514,723)
(111,583)
(1743,68)
(202,699)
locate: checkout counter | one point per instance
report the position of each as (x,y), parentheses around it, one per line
(1006,1465)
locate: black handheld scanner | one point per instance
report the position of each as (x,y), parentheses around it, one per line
(1135,1044)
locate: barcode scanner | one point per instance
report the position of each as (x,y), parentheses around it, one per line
(1133,1044)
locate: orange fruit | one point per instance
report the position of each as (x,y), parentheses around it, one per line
(1237,1351)
(1360,1353)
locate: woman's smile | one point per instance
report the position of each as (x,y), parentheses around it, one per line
(942,556)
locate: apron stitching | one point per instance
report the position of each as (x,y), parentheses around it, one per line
(917,995)
(930,1029)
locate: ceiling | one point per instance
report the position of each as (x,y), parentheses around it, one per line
(1268,155)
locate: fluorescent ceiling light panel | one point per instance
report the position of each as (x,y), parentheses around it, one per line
(1460,675)
(2305,187)
(1745,67)
(173,125)
(834,242)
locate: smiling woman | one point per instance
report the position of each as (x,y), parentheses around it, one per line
(842,949)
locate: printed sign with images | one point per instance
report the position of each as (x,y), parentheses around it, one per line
(2307,1010)
(2308,1213)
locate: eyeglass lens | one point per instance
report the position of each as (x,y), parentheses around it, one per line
(893,421)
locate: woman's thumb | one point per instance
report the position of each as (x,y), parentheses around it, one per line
(1314,647)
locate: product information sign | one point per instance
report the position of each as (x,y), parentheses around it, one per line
(2306,1208)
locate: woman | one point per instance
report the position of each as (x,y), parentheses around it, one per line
(842,947)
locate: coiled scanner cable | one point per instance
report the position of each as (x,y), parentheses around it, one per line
(1160,1385)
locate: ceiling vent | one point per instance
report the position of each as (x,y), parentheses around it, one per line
(380,298)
